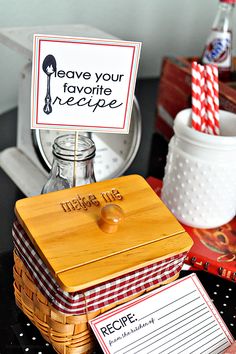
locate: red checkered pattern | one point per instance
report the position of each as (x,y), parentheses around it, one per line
(96,297)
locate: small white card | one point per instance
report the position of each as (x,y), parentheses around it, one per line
(175,319)
(83,83)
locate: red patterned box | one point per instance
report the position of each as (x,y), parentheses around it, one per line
(174,93)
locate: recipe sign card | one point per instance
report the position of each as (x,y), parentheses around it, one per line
(177,318)
(83,83)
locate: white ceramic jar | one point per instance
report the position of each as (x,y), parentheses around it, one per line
(199,185)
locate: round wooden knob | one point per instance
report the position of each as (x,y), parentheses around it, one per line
(111,216)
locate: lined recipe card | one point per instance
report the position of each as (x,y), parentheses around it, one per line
(178,318)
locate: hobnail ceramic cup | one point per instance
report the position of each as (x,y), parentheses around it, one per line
(199,185)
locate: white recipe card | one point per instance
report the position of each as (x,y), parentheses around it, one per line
(83,83)
(174,319)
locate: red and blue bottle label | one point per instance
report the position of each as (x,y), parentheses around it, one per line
(218,49)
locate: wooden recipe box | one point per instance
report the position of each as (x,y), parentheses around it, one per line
(84,250)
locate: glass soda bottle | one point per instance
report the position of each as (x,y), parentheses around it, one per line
(218,49)
(71,166)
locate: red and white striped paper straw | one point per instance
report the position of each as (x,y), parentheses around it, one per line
(205,98)
(216,99)
(209,100)
(212,101)
(196,96)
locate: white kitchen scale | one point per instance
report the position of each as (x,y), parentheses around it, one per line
(28,163)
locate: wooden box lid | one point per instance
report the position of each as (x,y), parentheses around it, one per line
(66,230)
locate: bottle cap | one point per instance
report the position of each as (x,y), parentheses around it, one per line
(229,1)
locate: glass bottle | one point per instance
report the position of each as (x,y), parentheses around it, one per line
(71,167)
(218,48)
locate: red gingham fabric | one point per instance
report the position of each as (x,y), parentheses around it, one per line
(96,297)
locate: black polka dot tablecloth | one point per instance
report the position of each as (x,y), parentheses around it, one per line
(28,340)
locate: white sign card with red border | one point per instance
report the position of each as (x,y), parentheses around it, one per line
(176,318)
(83,84)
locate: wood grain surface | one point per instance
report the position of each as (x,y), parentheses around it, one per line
(78,253)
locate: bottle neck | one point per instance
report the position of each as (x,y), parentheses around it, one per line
(73,173)
(73,159)
(223,20)
(71,147)
(72,163)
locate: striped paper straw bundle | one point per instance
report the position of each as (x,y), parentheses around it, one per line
(205,98)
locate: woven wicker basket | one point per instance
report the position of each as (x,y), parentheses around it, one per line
(68,334)
(85,252)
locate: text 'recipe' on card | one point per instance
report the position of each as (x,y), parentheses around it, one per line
(175,319)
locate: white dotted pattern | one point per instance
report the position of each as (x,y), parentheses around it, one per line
(200,193)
